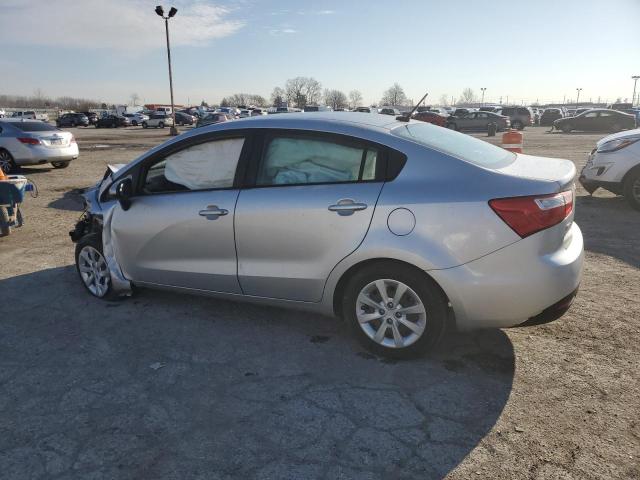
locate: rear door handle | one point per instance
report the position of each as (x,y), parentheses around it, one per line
(212,212)
(347,206)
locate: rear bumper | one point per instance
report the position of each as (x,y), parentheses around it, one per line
(39,155)
(510,286)
(553,312)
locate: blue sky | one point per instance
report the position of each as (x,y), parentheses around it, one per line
(108,49)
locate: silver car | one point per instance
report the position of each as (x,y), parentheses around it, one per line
(32,142)
(401,228)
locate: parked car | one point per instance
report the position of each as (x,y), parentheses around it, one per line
(136,118)
(342,223)
(461,112)
(2,113)
(30,115)
(72,120)
(212,118)
(112,121)
(389,111)
(520,117)
(365,110)
(256,112)
(244,113)
(431,117)
(581,110)
(316,108)
(184,119)
(33,142)
(158,120)
(615,166)
(478,121)
(597,120)
(549,116)
(92,116)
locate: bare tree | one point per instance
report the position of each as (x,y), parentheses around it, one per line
(468,96)
(134,98)
(355,99)
(444,100)
(278,97)
(394,96)
(335,99)
(301,91)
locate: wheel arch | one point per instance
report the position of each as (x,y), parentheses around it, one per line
(338,292)
(632,171)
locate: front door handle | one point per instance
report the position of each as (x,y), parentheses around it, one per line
(347,206)
(212,212)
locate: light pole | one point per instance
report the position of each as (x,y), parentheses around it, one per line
(578,97)
(160,11)
(483,89)
(635,80)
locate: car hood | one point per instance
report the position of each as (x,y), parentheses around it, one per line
(616,136)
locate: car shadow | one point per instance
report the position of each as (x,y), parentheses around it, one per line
(163,383)
(31,170)
(607,224)
(71,200)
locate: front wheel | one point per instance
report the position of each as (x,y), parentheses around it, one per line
(452,126)
(632,189)
(92,266)
(5,227)
(394,310)
(567,128)
(59,164)
(161,125)
(134,124)
(144,125)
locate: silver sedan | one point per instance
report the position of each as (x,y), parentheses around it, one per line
(401,228)
(32,142)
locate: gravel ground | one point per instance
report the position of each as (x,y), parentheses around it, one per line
(170,386)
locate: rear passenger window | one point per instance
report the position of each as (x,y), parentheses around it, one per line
(300,160)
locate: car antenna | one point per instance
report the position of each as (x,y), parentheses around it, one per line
(406,118)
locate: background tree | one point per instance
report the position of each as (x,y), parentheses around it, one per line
(134,98)
(278,97)
(300,91)
(444,100)
(335,99)
(394,96)
(355,99)
(468,96)
(204,104)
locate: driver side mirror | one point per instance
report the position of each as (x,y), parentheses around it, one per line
(123,191)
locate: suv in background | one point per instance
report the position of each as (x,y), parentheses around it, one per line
(72,120)
(550,115)
(158,120)
(520,117)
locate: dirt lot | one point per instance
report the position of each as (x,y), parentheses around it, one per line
(170,386)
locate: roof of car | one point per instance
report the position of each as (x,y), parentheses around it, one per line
(362,119)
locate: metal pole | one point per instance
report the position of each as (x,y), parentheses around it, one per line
(635,81)
(483,89)
(578,97)
(173,130)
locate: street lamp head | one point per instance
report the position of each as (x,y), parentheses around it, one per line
(173,11)
(160,10)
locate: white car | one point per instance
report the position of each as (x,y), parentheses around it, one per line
(136,118)
(615,166)
(158,120)
(31,115)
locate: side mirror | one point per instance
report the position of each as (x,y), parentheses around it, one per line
(124,192)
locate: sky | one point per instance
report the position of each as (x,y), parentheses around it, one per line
(532,51)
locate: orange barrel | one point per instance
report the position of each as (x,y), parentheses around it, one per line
(2,175)
(513,140)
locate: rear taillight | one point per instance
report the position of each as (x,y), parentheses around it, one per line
(29,141)
(528,215)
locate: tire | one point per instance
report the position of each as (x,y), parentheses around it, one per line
(90,264)
(378,335)
(567,128)
(452,126)
(5,229)
(161,125)
(144,125)
(632,189)
(517,124)
(7,163)
(73,124)
(60,164)
(134,124)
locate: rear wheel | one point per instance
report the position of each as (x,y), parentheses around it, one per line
(567,128)
(7,164)
(59,164)
(134,123)
(5,229)
(394,310)
(452,126)
(144,125)
(92,267)
(632,189)
(161,125)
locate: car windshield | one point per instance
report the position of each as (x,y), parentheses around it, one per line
(34,126)
(455,144)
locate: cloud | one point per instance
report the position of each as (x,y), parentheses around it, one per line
(282,31)
(129,25)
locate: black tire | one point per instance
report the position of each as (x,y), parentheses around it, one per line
(94,241)
(144,125)
(5,229)
(631,183)
(7,163)
(452,126)
(134,123)
(60,164)
(161,125)
(429,293)
(567,128)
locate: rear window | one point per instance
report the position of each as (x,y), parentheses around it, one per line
(456,144)
(34,126)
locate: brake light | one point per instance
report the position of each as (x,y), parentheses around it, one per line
(29,141)
(528,215)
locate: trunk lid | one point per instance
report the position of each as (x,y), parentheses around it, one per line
(545,169)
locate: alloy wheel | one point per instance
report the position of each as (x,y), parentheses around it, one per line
(6,162)
(391,313)
(93,271)
(635,190)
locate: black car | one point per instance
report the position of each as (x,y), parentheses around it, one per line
(549,116)
(92,116)
(72,120)
(113,121)
(183,119)
(461,112)
(597,120)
